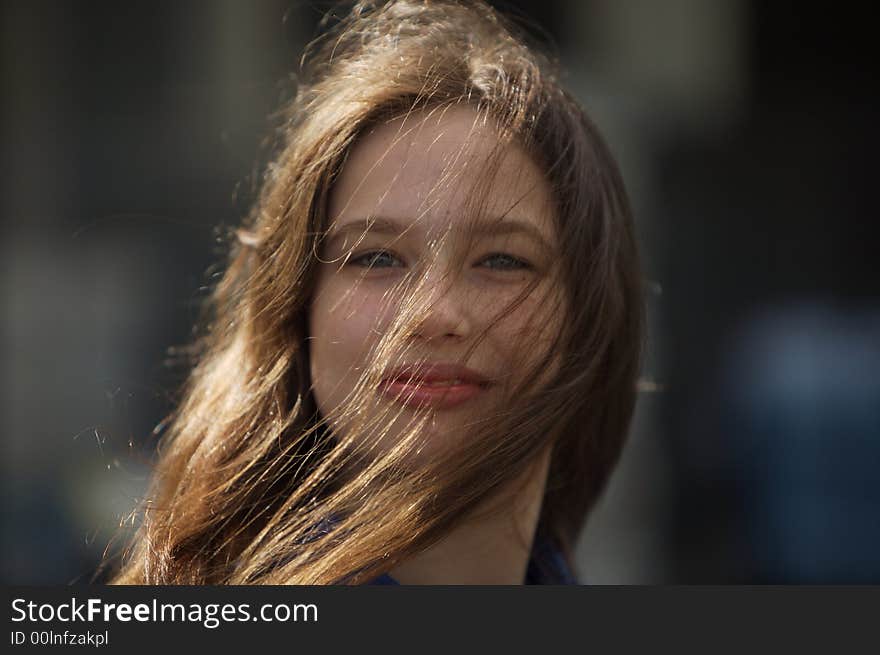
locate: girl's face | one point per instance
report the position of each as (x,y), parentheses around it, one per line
(411,180)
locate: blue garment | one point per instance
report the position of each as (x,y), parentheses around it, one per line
(547,566)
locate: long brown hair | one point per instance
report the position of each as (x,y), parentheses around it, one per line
(249,473)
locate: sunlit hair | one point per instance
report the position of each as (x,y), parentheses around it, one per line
(253,485)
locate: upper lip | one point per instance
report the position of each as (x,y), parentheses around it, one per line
(432,372)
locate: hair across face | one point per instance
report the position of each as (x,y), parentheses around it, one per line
(401,218)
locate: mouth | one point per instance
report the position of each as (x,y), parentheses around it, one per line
(441,387)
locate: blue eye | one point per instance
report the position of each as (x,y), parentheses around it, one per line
(507,262)
(374,259)
(385,259)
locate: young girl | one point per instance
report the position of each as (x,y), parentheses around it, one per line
(420,365)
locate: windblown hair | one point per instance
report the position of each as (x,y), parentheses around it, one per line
(253,485)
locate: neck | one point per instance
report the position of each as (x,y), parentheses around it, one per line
(492,546)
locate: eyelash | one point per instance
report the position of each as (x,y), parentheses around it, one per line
(519,263)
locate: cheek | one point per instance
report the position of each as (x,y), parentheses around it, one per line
(524,336)
(343,325)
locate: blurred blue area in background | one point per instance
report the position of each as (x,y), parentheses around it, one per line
(804,419)
(133,134)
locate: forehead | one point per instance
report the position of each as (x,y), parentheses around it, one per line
(424,167)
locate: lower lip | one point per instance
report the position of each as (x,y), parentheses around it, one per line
(439,397)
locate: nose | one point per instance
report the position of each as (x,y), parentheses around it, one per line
(448,311)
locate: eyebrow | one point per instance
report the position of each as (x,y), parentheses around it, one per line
(387,225)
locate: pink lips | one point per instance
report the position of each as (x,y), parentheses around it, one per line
(439,385)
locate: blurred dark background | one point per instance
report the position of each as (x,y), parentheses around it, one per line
(133,133)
